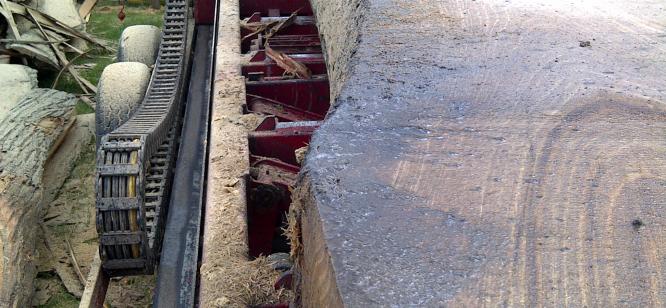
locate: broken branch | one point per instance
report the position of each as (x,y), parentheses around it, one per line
(256,27)
(270,27)
(48,22)
(83,83)
(282,24)
(77,269)
(55,82)
(12,41)
(290,65)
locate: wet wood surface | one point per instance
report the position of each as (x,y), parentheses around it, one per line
(499,153)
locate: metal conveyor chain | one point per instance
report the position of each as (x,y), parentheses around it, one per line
(135,161)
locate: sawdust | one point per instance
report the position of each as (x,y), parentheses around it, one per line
(227,276)
(339,24)
(293,231)
(300,154)
(135,291)
(252,283)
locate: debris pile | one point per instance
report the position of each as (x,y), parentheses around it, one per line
(37,38)
(47,35)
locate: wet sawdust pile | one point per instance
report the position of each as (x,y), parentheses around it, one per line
(253,285)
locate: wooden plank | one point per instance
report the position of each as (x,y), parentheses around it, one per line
(96,286)
(86,8)
(492,153)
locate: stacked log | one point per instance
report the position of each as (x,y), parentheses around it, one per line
(29,134)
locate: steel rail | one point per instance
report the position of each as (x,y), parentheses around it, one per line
(178,268)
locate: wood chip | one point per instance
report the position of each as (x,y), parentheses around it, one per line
(86,8)
(256,28)
(290,65)
(270,28)
(281,25)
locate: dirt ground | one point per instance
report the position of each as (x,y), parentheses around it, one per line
(71,218)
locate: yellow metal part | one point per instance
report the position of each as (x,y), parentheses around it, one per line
(131,192)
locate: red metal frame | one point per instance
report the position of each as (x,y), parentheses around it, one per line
(308,95)
(281,143)
(300,57)
(263,66)
(282,111)
(204,12)
(284,7)
(273,162)
(269,193)
(273,70)
(293,36)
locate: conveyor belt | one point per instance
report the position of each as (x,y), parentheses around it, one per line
(134,162)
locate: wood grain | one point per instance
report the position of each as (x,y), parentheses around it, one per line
(499,153)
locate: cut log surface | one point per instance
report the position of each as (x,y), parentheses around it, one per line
(491,153)
(28,135)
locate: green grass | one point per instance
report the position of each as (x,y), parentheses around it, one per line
(61,300)
(105,25)
(83,108)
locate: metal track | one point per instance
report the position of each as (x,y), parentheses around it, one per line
(135,161)
(177,277)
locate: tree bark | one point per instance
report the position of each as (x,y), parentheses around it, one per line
(28,135)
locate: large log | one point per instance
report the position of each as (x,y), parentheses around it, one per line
(28,137)
(489,153)
(15,82)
